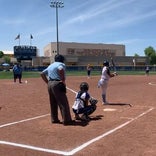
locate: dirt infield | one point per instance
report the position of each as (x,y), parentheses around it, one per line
(115,130)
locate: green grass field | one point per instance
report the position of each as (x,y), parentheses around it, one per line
(26,74)
(119,72)
(9,75)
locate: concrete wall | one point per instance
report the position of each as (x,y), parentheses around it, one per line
(84,53)
(79,49)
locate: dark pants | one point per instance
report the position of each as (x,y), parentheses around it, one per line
(86,110)
(147,72)
(88,72)
(58,98)
(19,76)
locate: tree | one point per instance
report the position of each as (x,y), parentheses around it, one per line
(151,53)
(153,59)
(1,54)
(7,59)
(136,55)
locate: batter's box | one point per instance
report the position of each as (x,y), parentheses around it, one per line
(40,135)
(115,112)
(134,111)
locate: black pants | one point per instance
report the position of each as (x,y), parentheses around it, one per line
(88,72)
(19,76)
(86,110)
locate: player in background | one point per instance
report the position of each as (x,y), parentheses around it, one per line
(103,82)
(147,70)
(81,104)
(17,72)
(113,64)
(89,68)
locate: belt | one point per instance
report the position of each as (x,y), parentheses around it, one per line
(54,79)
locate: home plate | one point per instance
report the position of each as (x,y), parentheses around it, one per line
(109,109)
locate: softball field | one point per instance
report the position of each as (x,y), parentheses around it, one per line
(126,127)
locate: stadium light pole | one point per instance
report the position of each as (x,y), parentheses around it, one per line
(57,4)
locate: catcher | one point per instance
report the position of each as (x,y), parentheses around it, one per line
(81,104)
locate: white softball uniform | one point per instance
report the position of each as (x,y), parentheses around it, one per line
(103,82)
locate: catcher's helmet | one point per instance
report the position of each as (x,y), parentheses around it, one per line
(84,86)
(106,63)
(59,58)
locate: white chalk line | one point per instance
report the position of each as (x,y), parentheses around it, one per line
(109,132)
(151,83)
(63,152)
(77,149)
(71,90)
(33,147)
(29,119)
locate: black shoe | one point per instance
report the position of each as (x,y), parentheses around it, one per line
(56,122)
(66,123)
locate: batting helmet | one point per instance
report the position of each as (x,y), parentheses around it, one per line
(59,58)
(106,63)
(84,86)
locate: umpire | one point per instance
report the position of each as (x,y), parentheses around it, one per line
(54,76)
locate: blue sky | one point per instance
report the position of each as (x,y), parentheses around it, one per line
(128,22)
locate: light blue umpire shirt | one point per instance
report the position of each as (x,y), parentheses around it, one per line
(52,70)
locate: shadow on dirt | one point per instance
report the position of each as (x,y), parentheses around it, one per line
(119,104)
(98,117)
(85,123)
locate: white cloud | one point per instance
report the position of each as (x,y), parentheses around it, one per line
(97,9)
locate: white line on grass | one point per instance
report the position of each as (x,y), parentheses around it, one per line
(29,119)
(77,149)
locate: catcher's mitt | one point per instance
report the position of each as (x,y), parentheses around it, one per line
(93,101)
